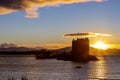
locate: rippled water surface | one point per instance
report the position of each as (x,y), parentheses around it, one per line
(107,68)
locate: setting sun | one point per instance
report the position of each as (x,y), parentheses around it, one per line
(101,45)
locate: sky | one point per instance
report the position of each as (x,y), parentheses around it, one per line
(43,23)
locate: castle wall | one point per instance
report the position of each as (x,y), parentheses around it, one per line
(80,49)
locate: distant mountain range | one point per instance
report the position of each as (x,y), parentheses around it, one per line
(66,49)
(93,50)
(19,49)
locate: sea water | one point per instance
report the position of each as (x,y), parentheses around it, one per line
(18,66)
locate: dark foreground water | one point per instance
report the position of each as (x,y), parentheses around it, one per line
(107,68)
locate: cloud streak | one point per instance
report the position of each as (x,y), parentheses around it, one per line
(86,34)
(31,6)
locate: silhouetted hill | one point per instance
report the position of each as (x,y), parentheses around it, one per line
(66,49)
(93,50)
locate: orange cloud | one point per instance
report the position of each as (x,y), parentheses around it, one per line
(31,6)
(5,11)
(47,46)
(32,14)
(55,46)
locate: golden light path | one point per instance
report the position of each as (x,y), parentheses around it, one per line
(101,45)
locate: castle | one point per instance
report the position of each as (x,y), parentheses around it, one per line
(80,50)
(79,53)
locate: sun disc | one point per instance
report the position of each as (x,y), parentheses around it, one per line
(100,45)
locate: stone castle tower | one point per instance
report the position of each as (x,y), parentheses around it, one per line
(80,49)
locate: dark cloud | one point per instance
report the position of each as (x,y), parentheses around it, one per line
(6,45)
(31,6)
(12,4)
(86,34)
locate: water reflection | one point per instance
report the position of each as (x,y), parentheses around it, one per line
(99,69)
